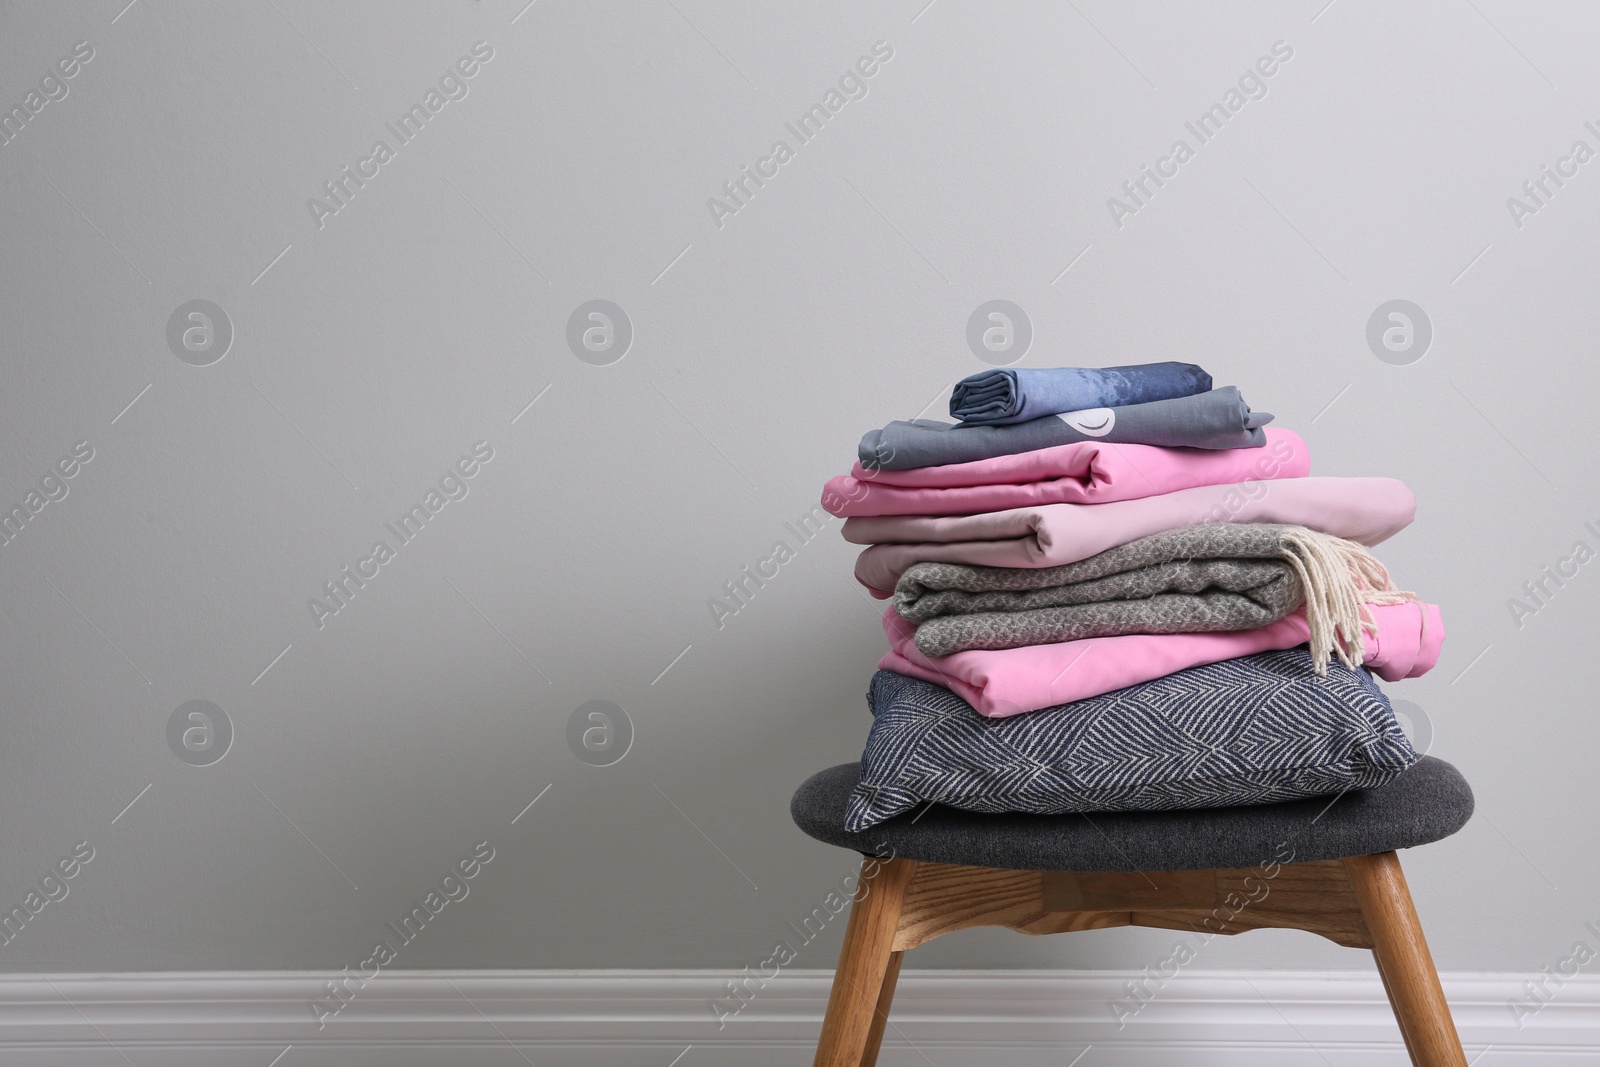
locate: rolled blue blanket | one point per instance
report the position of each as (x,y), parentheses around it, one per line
(998,397)
(1216,419)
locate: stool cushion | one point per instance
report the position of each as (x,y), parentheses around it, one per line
(1428,802)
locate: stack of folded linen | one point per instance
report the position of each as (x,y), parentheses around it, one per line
(1120,590)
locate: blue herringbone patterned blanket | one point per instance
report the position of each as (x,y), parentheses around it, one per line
(1253,730)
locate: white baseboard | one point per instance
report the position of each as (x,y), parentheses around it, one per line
(646,1018)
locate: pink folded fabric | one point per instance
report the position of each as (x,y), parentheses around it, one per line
(1018,680)
(1088,472)
(1365,510)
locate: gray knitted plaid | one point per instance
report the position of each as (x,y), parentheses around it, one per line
(1193,579)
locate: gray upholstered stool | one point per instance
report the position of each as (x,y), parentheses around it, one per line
(1326,865)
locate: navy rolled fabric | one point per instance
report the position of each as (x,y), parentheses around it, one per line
(1216,419)
(1000,397)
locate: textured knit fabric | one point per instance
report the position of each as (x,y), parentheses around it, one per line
(1081,473)
(1013,681)
(1218,419)
(1367,511)
(1197,597)
(995,397)
(1192,579)
(1255,730)
(1429,802)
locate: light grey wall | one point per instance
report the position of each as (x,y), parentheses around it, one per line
(372,351)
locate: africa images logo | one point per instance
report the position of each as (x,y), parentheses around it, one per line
(1251,85)
(852,85)
(339,591)
(452,86)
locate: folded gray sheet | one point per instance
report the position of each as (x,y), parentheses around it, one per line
(1216,419)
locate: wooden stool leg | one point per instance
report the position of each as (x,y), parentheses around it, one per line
(864,961)
(880,1013)
(1403,958)
(1388,991)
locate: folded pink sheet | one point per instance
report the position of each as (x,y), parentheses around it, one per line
(1088,472)
(1365,510)
(1018,680)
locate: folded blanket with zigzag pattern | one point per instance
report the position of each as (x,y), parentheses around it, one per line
(1193,579)
(1255,730)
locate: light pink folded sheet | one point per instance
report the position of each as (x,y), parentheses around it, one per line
(1018,680)
(1365,510)
(1088,472)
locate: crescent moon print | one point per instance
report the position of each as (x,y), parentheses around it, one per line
(1096,422)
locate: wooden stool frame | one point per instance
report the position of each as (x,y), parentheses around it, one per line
(1359,902)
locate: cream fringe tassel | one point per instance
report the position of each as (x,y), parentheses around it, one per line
(1340,579)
